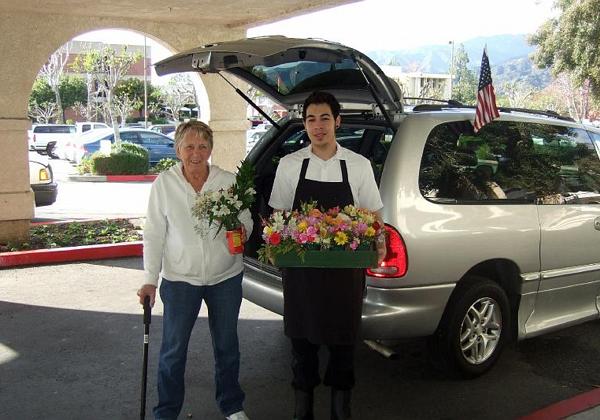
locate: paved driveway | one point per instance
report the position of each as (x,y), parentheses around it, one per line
(71,346)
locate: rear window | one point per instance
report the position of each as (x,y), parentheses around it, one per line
(307,76)
(64,129)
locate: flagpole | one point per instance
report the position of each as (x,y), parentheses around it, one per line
(451,68)
(145,87)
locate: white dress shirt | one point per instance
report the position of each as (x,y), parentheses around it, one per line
(360,177)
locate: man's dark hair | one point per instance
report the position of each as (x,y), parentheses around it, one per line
(320,97)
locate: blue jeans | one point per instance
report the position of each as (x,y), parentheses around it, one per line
(182,303)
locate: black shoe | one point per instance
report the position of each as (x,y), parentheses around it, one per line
(304,405)
(340,404)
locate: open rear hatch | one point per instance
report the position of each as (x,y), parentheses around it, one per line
(289,69)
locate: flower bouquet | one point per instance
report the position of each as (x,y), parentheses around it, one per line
(314,237)
(221,208)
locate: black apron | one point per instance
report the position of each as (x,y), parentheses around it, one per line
(323,305)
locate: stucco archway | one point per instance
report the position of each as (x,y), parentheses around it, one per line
(32,31)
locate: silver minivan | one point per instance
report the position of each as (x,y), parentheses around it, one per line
(492,236)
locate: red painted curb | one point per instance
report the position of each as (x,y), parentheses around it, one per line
(130,178)
(75,253)
(567,408)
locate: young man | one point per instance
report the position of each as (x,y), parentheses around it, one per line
(323,306)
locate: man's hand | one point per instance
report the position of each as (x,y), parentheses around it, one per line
(381,241)
(147,290)
(381,244)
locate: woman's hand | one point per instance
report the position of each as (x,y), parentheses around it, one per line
(147,290)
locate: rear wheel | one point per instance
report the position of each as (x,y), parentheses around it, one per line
(474,327)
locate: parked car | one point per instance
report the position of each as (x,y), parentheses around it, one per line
(163,128)
(252,137)
(491,235)
(158,145)
(66,148)
(49,138)
(41,178)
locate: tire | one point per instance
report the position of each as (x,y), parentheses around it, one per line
(474,328)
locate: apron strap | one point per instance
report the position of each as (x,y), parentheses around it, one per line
(303,170)
(344,171)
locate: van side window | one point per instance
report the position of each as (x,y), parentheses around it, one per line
(574,161)
(510,162)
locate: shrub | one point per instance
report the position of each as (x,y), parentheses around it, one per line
(125,159)
(163,165)
(85,166)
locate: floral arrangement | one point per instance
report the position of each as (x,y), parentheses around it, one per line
(311,228)
(221,208)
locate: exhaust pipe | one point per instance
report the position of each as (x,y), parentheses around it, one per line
(382,349)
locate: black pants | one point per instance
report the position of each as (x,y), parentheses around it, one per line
(305,365)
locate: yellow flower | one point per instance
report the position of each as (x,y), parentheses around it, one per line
(370,231)
(268,230)
(341,238)
(302,226)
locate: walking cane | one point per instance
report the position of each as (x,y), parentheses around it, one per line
(147,318)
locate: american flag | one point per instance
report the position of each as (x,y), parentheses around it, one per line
(486,109)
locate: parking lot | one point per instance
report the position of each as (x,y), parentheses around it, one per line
(71,347)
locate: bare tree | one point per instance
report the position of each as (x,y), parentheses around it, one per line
(123,104)
(52,72)
(43,113)
(178,92)
(107,68)
(518,93)
(577,98)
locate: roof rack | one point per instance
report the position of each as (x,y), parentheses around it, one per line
(455,104)
(547,112)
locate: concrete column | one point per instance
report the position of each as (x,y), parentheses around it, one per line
(228,121)
(16,197)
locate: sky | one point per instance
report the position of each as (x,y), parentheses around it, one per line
(387,24)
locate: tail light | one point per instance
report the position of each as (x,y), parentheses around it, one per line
(395,263)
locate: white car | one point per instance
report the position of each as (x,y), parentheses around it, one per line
(50,139)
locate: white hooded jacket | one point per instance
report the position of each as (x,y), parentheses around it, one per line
(172,248)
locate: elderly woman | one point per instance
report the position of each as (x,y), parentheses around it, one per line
(193,268)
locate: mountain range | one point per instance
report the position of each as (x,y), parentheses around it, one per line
(509,57)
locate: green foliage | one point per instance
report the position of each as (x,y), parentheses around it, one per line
(72,89)
(125,159)
(134,89)
(464,87)
(41,92)
(77,234)
(164,164)
(85,166)
(569,43)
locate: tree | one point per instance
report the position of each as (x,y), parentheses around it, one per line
(569,43)
(72,89)
(134,89)
(41,93)
(52,73)
(107,68)
(464,87)
(518,93)
(178,92)
(43,113)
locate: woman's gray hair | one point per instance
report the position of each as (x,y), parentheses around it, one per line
(198,127)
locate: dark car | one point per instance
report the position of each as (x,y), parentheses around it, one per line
(158,145)
(41,178)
